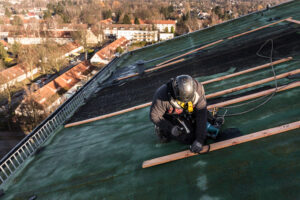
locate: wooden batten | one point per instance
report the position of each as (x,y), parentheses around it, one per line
(293,21)
(257,29)
(223,144)
(247,71)
(238,88)
(198,49)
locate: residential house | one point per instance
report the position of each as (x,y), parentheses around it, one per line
(31,15)
(163,25)
(15,74)
(107,53)
(51,95)
(93,37)
(132,32)
(71,48)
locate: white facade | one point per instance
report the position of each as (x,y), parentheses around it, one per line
(91,38)
(97,59)
(162,27)
(3,35)
(166,36)
(133,35)
(19,79)
(37,40)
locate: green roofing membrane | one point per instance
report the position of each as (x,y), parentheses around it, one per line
(103,159)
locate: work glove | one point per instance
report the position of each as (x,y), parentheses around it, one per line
(176,131)
(196,147)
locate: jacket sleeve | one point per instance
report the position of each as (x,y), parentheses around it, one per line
(158,109)
(201,115)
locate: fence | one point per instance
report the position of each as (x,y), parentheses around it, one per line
(28,146)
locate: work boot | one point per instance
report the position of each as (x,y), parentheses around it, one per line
(161,136)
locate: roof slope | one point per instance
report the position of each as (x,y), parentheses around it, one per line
(102,160)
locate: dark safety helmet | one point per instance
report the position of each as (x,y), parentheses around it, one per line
(184,88)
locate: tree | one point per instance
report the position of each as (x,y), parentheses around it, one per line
(118,16)
(42,58)
(172,29)
(126,19)
(7,12)
(136,21)
(15,49)
(7,92)
(2,65)
(106,14)
(57,63)
(119,50)
(28,57)
(3,52)
(31,113)
(17,21)
(46,14)
(217,10)
(59,9)
(166,30)
(80,37)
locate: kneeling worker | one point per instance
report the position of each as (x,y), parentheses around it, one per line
(179,112)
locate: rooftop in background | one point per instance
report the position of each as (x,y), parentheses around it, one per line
(47,96)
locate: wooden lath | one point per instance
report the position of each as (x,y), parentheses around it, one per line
(223,144)
(257,29)
(293,21)
(241,87)
(247,71)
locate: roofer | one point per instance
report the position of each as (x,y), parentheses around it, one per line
(179,112)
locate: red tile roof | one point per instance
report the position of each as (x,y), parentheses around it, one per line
(108,51)
(31,14)
(12,73)
(51,91)
(106,21)
(70,47)
(162,22)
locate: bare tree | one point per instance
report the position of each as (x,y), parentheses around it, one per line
(29,59)
(80,37)
(7,92)
(30,112)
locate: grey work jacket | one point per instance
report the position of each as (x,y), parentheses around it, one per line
(161,105)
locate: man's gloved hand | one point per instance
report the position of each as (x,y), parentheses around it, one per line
(176,131)
(196,147)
